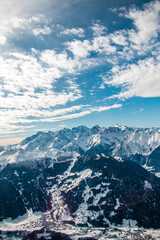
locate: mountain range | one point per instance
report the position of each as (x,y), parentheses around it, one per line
(81,177)
(141,145)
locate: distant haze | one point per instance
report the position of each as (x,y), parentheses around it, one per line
(4,142)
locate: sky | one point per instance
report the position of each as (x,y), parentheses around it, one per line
(78,62)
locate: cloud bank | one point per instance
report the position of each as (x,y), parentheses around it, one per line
(42,84)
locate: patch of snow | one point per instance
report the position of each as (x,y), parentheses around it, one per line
(16,173)
(157,175)
(97,174)
(129,223)
(72,183)
(147,185)
(22,222)
(98,196)
(104,155)
(59,211)
(150,169)
(117,204)
(119,159)
(97,187)
(112,214)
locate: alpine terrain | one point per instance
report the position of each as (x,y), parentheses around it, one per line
(82,183)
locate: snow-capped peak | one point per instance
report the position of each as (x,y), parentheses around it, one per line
(117,141)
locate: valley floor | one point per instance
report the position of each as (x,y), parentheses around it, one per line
(76,233)
(34,226)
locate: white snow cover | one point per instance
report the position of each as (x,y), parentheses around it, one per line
(117,204)
(122,141)
(30,221)
(147,185)
(128,229)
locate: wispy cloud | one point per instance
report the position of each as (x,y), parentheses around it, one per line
(42,85)
(146,22)
(73,31)
(141,79)
(88,111)
(139,74)
(42,31)
(37,26)
(119,38)
(27,85)
(100,44)
(98,29)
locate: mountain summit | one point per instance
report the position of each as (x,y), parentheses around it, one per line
(136,144)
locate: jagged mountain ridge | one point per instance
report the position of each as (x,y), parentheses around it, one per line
(117,141)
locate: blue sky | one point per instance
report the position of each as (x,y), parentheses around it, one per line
(78,62)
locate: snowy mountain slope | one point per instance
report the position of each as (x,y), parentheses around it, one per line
(154,159)
(85,190)
(138,141)
(117,141)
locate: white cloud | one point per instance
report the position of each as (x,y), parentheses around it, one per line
(28,80)
(60,61)
(66,117)
(82,113)
(13,117)
(82,49)
(141,79)
(42,31)
(105,108)
(73,31)
(66,64)
(37,26)
(102,44)
(27,86)
(23,72)
(147,23)
(137,77)
(98,30)
(19,8)
(10,118)
(3,40)
(119,38)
